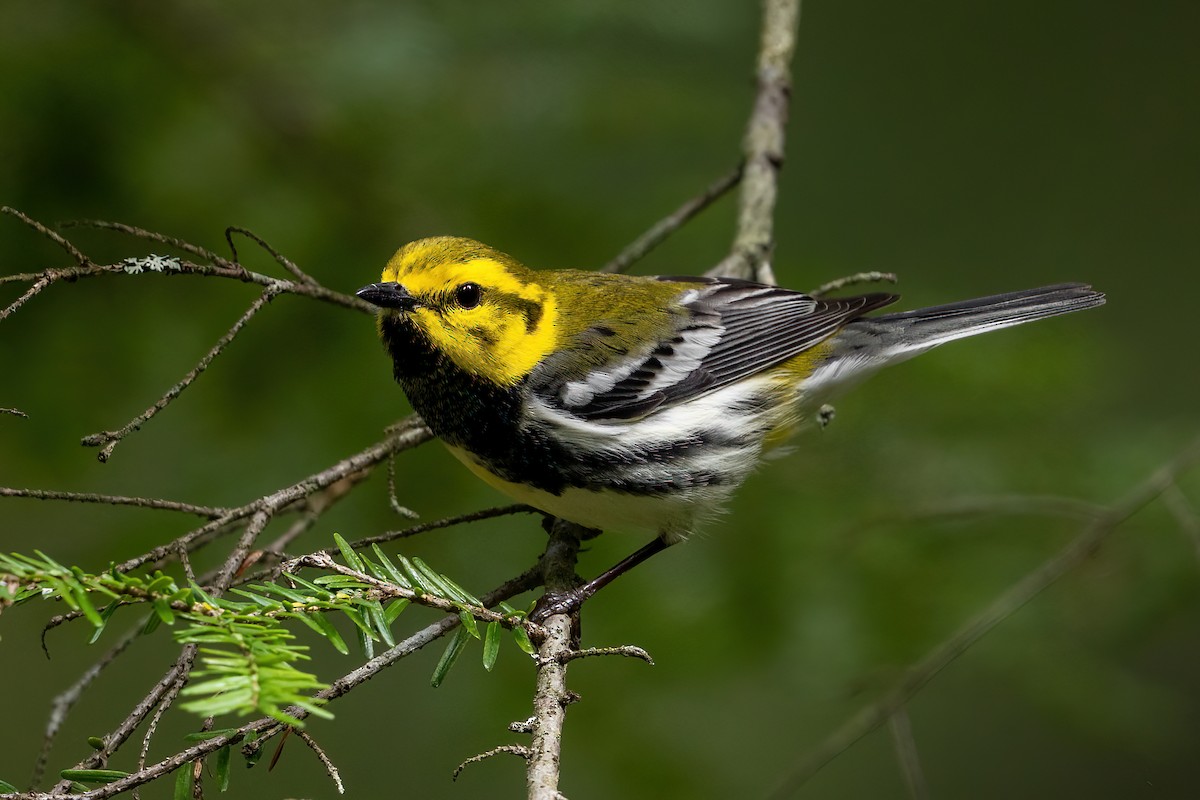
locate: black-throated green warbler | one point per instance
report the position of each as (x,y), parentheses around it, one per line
(633,402)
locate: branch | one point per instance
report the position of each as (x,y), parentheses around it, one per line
(660,230)
(167,689)
(108,440)
(763,146)
(76,256)
(62,704)
(268,727)
(332,770)
(212,512)
(838,284)
(551,696)
(410,435)
(388,590)
(1079,550)
(351,680)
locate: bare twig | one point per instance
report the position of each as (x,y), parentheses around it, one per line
(314,506)
(16,412)
(216,267)
(1077,551)
(211,512)
(905,744)
(659,231)
(332,770)
(153,236)
(283,260)
(405,437)
(63,702)
(30,293)
(626,650)
(73,251)
(764,145)
(108,440)
(169,683)
(447,522)
(512,749)
(403,511)
(852,280)
(164,704)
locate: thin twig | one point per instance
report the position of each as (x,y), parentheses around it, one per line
(406,437)
(119,735)
(16,412)
(853,280)
(76,255)
(447,522)
(905,744)
(626,650)
(164,704)
(659,231)
(110,439)
(315,505)
(388,590)
(211,512)
(332,770)
(512,749)
(217,266)
(29,294)
(64,701)
(283,260)
(152,236)
(356,677)
(1077,551)
(393,501)
(763,146)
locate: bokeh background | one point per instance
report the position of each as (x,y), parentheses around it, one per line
(969,147)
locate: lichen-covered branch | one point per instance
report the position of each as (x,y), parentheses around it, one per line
(763,146)
(551,696)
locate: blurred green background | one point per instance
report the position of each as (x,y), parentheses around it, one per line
(969,147)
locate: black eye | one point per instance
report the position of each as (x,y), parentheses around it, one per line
(468,295)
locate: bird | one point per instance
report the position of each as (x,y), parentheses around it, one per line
(633,402)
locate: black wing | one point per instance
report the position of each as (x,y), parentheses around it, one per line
(729,330)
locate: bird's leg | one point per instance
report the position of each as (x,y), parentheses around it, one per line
(568,602)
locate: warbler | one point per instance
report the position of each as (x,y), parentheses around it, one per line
(616,401)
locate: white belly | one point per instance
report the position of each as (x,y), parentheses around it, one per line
(671,516)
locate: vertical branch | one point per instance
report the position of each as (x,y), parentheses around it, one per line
(763,146)
(551,697)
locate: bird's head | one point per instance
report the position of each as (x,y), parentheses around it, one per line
(479,307)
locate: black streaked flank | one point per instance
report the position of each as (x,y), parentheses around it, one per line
(519,450)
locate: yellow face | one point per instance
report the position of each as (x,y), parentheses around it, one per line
(478,306)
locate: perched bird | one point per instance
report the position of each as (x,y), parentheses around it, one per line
(616,401)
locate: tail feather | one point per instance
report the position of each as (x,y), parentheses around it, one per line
(929,327)
(872,342)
